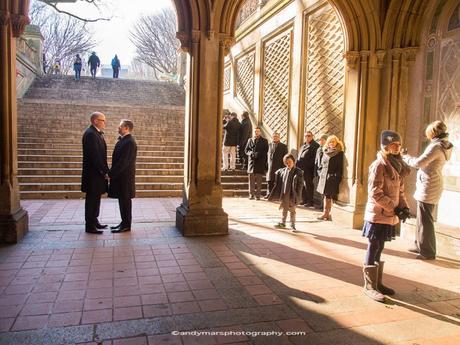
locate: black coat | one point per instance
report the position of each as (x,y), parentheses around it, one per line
(232,129)
(245,132)
(306,158)
(123,171)
(94,162)
(275,159)
(295,196)
(256,150)
(330,175)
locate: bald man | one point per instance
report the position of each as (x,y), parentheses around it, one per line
(94,179)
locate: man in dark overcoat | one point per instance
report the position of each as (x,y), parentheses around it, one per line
(256,150)
(122,174)
(231,128)
(244,135)
(306,162)
(276,152)
(94,173)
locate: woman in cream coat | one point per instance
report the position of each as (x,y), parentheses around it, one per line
(429,186)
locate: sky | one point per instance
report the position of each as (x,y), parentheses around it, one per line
(113,36)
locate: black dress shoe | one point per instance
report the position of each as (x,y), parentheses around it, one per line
(116,226)
(123,229)
(94,231)
(101,226)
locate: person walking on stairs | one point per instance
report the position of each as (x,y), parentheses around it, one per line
(94,63)
(386,204)
(123,174)
(116,66)
(94,179)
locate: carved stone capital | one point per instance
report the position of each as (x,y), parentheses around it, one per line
(196,36)
(227,43)
(19,22)
(410,55)
(185,41)
(210,34)
(381,54)
(352,58)
(4,17)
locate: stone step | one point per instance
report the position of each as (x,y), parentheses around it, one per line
(25,195)
(78,165)
(62,158)
(76,178)
(53,171)
(168,141)
(50,152)
(55,186)
(78,147)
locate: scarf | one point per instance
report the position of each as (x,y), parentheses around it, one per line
(398,164)
(331,152)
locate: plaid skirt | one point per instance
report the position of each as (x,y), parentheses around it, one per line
(379,232)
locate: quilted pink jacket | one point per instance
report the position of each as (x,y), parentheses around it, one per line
(385,192)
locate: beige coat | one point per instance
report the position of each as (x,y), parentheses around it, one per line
(385,192)
(429,183)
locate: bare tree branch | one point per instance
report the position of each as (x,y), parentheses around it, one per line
(154,37)
(95,3)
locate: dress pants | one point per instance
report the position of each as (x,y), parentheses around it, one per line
(309,187)
(270,185)
(92,208)
(125,205)
(226,152)
(425,236)
(255,183)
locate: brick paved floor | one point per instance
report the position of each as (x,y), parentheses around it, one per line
(63,286)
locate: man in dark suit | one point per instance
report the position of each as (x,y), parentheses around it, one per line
(256,150)
(94,174)
(232,128)
(306,162)
(123,174)
(243,137)
(276,152)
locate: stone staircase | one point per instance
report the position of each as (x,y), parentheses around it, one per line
(54,113)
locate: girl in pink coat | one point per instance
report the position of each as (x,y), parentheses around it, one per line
(386,204)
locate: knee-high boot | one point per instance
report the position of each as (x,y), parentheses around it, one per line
(382,288)
(370,283)
(326,210)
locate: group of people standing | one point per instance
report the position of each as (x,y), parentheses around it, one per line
(97,178)
(94,63)
(319,168)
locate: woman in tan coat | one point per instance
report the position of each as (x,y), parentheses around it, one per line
(429,186)
(385,204)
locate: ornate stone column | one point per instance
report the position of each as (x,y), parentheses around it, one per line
(13,218)
(201,211)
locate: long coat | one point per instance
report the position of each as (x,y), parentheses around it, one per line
(330,175)
(275,159)
(429,185)
(295,195)
(232,129)
(256,150)
(94,162)
(385,192)
(306,159)
(245,132)
(123,171)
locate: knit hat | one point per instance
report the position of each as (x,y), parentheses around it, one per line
(387,137)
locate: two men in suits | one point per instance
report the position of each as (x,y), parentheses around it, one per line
(122,174)
(94,179)
(96,173)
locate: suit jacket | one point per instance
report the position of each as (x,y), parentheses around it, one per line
(295,193)
(306,159)
(256,150)
(123,171)
(232,129)
(245,132)
(275,159)
(94,162)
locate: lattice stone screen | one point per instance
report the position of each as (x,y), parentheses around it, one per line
(324,73)
(227,77)
(245,79)
(276,76)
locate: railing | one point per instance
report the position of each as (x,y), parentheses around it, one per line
(28,52)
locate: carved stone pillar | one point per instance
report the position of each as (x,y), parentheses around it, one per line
(13,218)
(201,211)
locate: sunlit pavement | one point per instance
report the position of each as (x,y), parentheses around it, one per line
(254,286)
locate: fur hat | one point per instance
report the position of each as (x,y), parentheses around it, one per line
(387,137)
